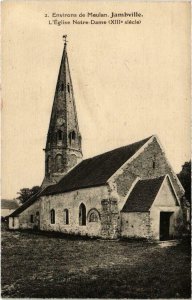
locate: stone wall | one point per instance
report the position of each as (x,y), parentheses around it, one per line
(25,216)
(149,163)
(91,197)
(135,225)
(166,202)
(110,219)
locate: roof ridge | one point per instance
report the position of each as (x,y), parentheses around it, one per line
(151,179)
(112,150)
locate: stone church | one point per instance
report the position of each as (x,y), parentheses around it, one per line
(128,192)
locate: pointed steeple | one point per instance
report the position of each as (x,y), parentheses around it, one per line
(63,146)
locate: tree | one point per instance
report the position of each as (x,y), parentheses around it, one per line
(26,193)
(35,189)
(185,178)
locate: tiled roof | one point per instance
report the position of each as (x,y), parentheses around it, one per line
(9,204)
(95,171)
(143,194)
(90,172)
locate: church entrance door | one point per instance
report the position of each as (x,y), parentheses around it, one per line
(165,225)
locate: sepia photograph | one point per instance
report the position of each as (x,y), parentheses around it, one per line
(96,166)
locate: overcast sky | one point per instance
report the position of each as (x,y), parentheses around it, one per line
(130,81)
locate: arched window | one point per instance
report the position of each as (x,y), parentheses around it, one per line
(48,165)
(59,163)
(82,215)
(52,216)
(68,88)
(66,216)
(59,135)
(72,136)
(93,215)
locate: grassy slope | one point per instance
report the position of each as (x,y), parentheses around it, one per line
(40,266)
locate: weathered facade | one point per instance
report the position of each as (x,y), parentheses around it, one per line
(159,218)
(63,146)
(129,192)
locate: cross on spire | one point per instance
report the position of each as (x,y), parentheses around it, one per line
(65,38)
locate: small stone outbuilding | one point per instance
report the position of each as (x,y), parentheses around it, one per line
(152,210)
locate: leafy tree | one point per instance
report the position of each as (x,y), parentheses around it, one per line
(26,193)
(185,178)
(35,189)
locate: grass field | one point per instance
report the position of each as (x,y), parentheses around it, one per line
(37,266)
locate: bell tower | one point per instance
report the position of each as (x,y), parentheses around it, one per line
(63,146)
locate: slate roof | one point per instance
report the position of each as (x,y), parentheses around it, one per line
(90,172)
(143,194)
(9,204)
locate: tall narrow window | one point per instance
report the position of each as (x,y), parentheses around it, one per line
(32,218)
(48,165)
(55,137)
(72,136)
(82,215)
(62,87)
(59,135)
(66,216)
(154,162)
(68,88)
(13,222)
(52,216)
(59,163)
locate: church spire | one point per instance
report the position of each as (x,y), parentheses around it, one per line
(63,146)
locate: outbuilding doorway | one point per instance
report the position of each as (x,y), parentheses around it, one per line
(165,225)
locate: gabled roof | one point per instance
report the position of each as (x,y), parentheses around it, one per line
(26,204)
(90,172)
(9,204)
(95,171)
(143,194)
